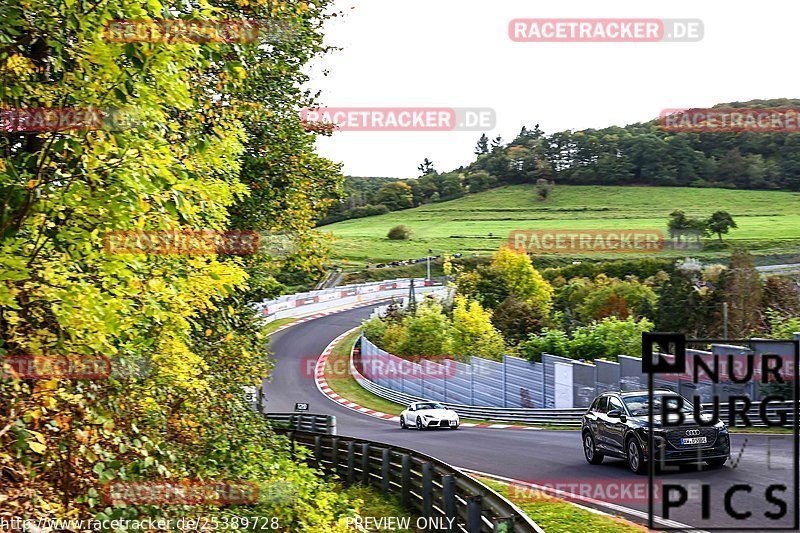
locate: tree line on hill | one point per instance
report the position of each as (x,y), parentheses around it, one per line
(637,154)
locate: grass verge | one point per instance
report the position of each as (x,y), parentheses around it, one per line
(555,515)
(275,324)
(337,372)
(377,505)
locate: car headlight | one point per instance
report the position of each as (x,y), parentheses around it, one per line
(720,425)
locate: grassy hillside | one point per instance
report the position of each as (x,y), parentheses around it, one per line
(769,221)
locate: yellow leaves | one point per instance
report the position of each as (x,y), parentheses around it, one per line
(144,205)
(32,415)
(31,183)
(19,65)
(40,444)
(208,333)
(50,384)
(303,7)
(229,337)
(37,447)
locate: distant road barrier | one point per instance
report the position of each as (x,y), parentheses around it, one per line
(434,489)
(309,302)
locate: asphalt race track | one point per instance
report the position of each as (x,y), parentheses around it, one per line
(544,457)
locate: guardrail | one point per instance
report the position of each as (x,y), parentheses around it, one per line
(318,300)
(431,487)
(557,417)
(303,422)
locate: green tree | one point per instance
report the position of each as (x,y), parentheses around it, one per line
(516,319)
(483,145)
(612,297)
(551,341)
(609,338)
(473,334)
(720,222)
(741,288)
(426,167)
(427,333)
(522,279)
(396,195)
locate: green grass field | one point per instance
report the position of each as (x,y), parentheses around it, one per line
(769,221)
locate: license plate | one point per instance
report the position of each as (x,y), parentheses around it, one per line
(694,440)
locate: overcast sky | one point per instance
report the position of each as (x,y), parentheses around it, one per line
(457,53)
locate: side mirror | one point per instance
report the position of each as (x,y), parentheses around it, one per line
(614,413)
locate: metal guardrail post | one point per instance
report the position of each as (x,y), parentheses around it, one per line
(474,514)
(313,423)
(318,450)
(351,461)
(335,455)
(405,480)
(385,466)
(471,383)
(332,425)
(505,382)
(291,439)
(365,463)
(427,490)
(449,495)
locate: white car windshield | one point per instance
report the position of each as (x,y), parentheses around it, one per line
(431,405)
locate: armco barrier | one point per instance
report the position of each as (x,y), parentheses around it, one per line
(319,300)
(432,488)
(310,423)
(558,417)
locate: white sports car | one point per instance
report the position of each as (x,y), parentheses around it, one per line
(424,415)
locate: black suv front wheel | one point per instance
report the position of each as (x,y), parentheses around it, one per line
(635,456)
(593,457)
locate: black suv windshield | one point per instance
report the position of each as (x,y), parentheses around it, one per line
(638,405)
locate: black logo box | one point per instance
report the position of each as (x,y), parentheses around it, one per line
(675,344)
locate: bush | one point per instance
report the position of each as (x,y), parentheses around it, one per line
(605,339)
(399,233)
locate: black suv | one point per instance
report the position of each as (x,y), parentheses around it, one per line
(616,426)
